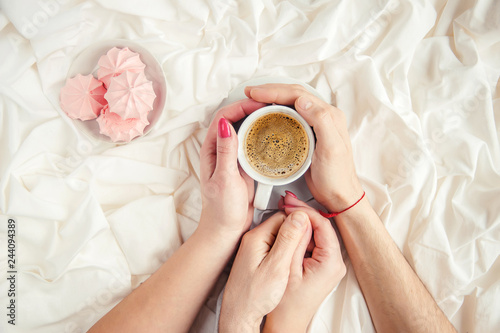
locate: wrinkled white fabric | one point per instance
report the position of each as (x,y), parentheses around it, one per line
(418,81)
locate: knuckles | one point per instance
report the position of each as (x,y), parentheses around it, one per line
(323,114)
(297,89)
(211,190)
(248,242)
(287,235)
(225,148)
(340,116)
(339,271)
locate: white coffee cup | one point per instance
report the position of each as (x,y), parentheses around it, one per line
(265,183)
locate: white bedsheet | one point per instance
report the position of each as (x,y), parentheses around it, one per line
(418,81)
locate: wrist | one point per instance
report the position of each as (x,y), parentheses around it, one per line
(235,326)
(338,202)
(225,242)
(232,322)
(291,323)
(357,214)
(223,225)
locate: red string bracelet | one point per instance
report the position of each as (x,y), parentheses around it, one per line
(337,213)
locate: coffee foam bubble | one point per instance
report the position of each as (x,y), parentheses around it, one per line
(276,145)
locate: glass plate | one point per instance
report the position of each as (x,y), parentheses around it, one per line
(86,63)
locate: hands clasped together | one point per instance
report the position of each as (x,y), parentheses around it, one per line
(287,265)
(284,269)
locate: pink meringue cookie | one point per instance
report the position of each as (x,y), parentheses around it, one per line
(119,129)
(82,97)
(130,95)
(117,61)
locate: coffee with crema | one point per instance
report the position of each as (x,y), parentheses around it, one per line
(276,145)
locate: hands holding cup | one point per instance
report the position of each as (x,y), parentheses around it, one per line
(332,177)
(227,192)
(290,298)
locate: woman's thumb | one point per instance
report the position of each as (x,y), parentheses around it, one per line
(227,147)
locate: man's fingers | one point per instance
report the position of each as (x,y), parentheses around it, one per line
(238,110)
(322,116)
(289,236)
(284,94)
(296,268)
(268,230)
(325,238)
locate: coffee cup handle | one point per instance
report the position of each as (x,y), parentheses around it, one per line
(262,196)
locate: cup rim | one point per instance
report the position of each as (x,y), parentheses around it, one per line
(249,120)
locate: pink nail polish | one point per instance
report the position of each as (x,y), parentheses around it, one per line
(224,129)
(289,206)
(291,193)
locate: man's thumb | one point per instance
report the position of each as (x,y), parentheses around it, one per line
(289,237)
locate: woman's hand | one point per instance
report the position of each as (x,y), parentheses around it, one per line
(317,268)
(170,299)
(261,269)
(227,191)
(332,177)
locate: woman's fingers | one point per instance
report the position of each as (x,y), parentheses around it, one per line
(249,182)
(232,113)
(291,200)
(296,267)
(227,149)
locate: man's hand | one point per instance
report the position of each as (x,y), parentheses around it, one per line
(260,272)
(332,177)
